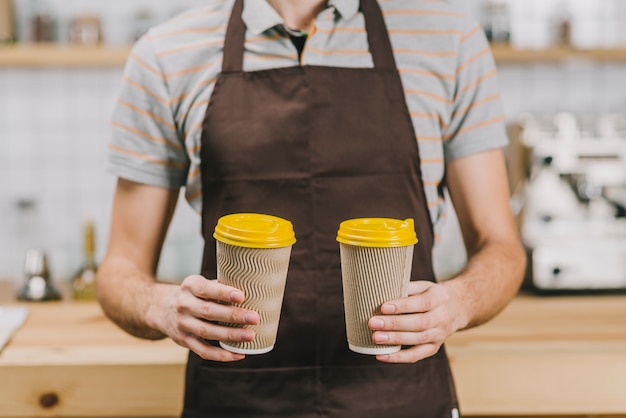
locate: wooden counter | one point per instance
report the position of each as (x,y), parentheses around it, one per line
(545,356)
(541,356)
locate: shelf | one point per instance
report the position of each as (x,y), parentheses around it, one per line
(509,55)
(65,56)
(39,56)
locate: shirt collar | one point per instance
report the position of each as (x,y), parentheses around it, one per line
(259,16)
(346,8)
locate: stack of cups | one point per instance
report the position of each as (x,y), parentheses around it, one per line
(376,262)
(253,252)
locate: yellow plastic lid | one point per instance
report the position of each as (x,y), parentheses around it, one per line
(377,232)
(254,230)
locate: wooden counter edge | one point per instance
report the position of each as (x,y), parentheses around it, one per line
(495,375)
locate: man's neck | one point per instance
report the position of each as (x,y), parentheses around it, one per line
(298,14)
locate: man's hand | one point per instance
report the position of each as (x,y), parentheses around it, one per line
(494,271)
(192,313)
(131,296)
(423,320)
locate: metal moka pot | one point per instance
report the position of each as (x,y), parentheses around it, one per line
(37,286)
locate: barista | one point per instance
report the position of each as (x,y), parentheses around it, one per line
(314,111)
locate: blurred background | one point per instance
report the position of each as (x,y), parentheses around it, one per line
(554,56)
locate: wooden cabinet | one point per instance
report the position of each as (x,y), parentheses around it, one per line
(68,360)
(542,356)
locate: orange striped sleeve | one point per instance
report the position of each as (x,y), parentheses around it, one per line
(473,59)
(427,73)
(195,105)
(179,98)
(146,157)
(474,83)
(195,173)
(292,57)
(194,14)
(426,53)
(194,195)
(141,111)
(192,47)
(146,135)
(471,33)
(344,29)
(147,66)
(186,94)
(338,51)
(429,95)
(195,127)
(187,31)
(264,38)
(195,149)
(424,12)
(476,126)
(422,32)
(429,1)
(432,161)
(188,71)
(433,116)
(140,87)
(434,138)
(475,104)
(425,115)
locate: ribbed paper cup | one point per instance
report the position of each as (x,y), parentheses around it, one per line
(253,253)
(376,261)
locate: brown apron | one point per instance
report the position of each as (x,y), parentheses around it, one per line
(315,145)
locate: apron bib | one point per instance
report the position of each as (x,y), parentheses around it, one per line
(314,145)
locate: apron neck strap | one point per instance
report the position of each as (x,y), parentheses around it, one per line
(234,40)
(377,37)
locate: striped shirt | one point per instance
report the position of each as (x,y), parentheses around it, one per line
(446,68)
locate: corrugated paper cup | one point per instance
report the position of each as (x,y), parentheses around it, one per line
(253,252)
(376,262)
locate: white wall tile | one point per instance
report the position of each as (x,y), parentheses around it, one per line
(54,127)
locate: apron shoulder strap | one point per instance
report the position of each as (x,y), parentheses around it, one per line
(377,36)
(235,40)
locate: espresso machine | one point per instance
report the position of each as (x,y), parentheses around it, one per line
(574,213)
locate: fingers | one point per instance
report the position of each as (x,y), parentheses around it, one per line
(423,321)
(431,336)
(200,308)
(198,299)
(423,297)
(209,352)
(409,322)
(410,355)
(211,311)
(407,329)
(213,331)
(206,289)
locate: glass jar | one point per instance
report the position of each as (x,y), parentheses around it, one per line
(496,21)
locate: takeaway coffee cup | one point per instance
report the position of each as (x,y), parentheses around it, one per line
(376,261)
(253,252)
